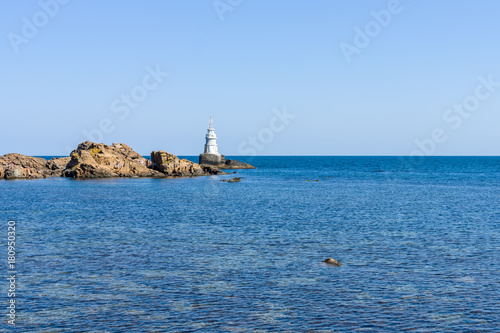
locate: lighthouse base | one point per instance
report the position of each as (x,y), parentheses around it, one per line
(212,159)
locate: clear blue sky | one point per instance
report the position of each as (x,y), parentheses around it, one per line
(263,56)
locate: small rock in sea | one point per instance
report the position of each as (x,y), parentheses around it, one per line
(234,180)
(224,180)
(332,262)
(235,172)
(308,180)
(317,180)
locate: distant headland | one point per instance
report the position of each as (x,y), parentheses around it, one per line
(98,160)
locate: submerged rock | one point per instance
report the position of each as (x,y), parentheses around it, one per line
(332,262)
(234,180)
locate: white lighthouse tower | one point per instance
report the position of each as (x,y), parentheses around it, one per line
(211,154)
(211,139)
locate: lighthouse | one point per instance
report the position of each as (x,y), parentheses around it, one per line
(211,139)
(211,154)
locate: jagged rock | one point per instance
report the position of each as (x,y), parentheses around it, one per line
(234,180)
(23,173)
(233,164)
(332,262)
(172,166)
(59,163)
(226,164)
(212,170)
(24,161)
(17,166)
(97,160)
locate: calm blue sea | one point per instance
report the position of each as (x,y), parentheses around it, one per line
(419,246)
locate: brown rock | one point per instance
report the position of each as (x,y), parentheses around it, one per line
(233,164)
(97,160)
(332,262)
(24,161)
(172,166)
(17,166)
(212,170)
(58,163)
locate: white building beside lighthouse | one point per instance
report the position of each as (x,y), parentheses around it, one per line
(211,154)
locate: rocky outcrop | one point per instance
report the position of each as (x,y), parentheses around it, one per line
(212,170)
(97,160)
(219,161)
(172,166)
(332,262)
(59,163)
(17,166)
(233,164)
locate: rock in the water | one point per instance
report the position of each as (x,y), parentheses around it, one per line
(233,164)
(17,166)
(234,180)
(25,161)
(97,160)
(212,170)
(172,166)
(332,262)
(56,166)
(222,163)
(58,163)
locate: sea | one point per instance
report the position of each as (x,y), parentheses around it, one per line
(418,240)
